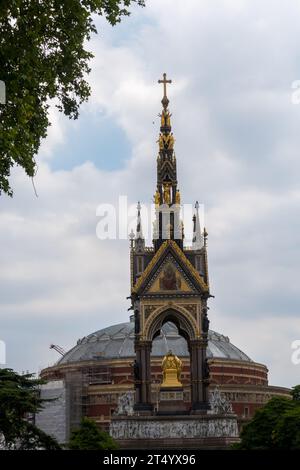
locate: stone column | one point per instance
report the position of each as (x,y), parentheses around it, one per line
(143,386)
(199,397)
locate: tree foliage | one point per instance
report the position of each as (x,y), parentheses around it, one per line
(286,434)
(43,55)
(296,393)
(90,437)
(274,426)
(20,398)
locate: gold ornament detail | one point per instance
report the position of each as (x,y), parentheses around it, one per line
(171,141)
(166,141)
(167,196)
(161,142)
(157,198)
(171,366)
(165,119)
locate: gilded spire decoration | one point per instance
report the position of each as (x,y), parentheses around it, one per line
(166,163)
(167,196)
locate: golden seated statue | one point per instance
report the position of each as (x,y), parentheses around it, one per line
(171,366)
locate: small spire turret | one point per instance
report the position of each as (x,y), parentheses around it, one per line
(139,237)
(139,230)
(197,234)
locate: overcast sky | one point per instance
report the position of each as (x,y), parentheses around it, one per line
(237,146)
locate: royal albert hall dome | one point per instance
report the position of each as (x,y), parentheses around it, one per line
(117,342)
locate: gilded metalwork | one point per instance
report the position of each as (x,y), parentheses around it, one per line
(167,196)
(171,366)
(160,141)
(165,118)
(157,198)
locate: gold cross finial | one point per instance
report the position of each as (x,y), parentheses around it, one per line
(165,81)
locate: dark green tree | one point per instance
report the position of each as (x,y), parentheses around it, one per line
(20,398)
(43,55)
(296,393)
(90,437)
(286,435)
(274,426)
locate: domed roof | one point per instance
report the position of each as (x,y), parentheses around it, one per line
(117,341)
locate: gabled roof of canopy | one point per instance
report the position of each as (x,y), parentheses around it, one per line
(170,246)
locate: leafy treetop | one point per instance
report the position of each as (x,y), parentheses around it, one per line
(43,56)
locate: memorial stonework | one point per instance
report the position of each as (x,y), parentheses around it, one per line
(161,432)
(171,285)
(163,377)
(217,429)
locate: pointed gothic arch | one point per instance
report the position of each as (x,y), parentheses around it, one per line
(196,342)
(180,317)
